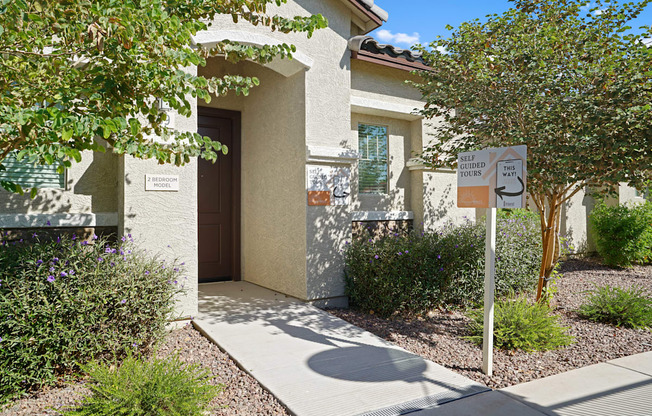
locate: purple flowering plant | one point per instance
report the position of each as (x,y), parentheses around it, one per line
(97,295)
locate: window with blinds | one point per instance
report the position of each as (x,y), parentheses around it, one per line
(373,166)
(31,175)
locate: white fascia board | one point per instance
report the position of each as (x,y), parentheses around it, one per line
(374,107)
(100,219)
(331,155)
(381,215)
(286,67)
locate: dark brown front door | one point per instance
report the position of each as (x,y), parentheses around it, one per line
(219,198)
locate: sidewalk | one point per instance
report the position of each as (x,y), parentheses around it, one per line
(317,364)
(621,387)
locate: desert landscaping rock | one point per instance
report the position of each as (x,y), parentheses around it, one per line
(242,394)
(438,337)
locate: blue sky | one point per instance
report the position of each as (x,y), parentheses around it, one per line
(420,21)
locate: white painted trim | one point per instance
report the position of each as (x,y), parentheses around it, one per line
(381,215)
(363,105)
(100,219)
(286,67)
(332,155)
(415,164)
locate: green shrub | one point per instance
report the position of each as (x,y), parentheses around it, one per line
(518,214)
(146,388)
(520,325)
(65,302)
(623,233)
(630,308)
(418,272)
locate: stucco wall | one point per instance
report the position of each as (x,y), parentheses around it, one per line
(440,201)
(90,188)
(628,195)
(164,223)
(328,229)
(382,96)
(575,226)
(285,247)
(438,189)
(273,171)
(375,81)
(328,115)
(328,80)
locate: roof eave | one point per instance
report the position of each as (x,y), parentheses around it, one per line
(389,61)
(366,19)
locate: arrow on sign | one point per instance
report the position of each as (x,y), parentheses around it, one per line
(342,193)
(501,191)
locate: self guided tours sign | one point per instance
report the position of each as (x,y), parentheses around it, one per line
(491,178)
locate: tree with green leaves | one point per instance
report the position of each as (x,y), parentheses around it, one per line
(573,84)
(80,75)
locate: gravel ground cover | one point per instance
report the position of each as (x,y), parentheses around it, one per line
(438,336)
(242,395)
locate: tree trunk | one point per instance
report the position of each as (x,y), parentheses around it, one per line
(550,213)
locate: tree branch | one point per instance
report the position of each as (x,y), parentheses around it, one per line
(42,55)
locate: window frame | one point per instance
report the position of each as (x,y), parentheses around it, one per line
(386,161)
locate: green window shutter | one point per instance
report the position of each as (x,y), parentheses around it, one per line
(373,169)
(30,175)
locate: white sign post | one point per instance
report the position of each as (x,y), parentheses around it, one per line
(489,285)
(491,178)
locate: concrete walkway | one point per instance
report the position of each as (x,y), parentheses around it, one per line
(317,364)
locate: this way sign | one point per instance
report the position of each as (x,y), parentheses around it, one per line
(510,185)
(492,178)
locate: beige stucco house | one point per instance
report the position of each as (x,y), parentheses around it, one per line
(319,149)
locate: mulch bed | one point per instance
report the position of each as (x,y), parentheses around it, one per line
(438,336)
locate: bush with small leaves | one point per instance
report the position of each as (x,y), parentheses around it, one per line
(420,271)
(64,302)
(623,233)
(154,387)
(521,325)
(630,308)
